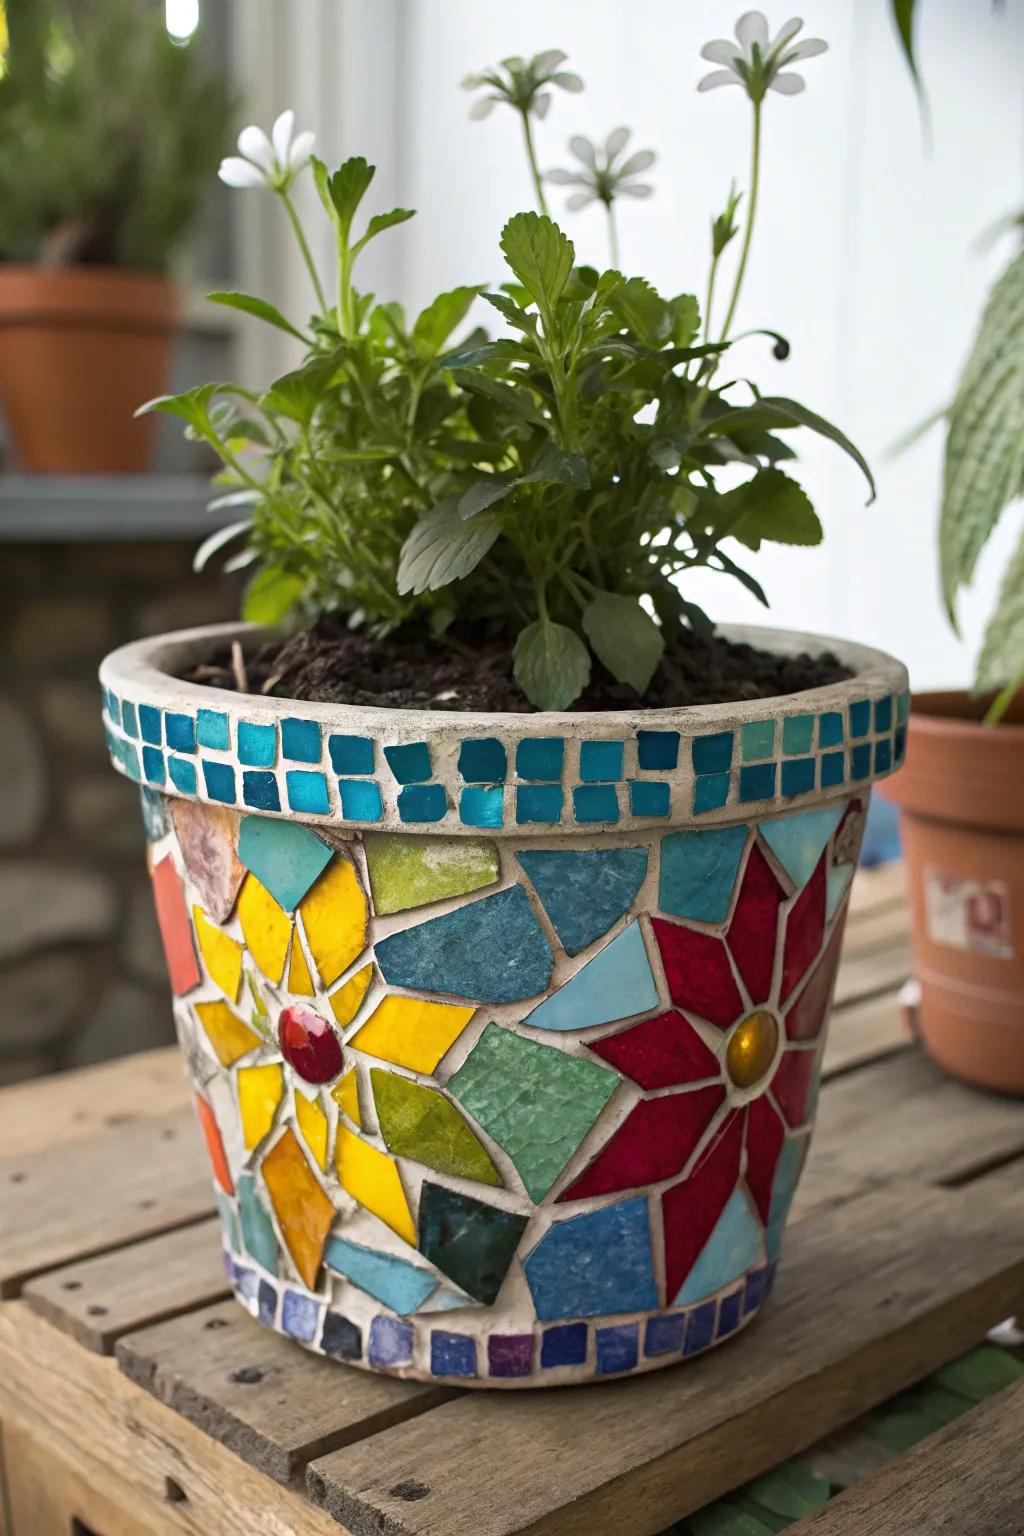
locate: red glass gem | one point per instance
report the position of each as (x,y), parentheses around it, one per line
(698,972)
(308,1044)
(807,1015)
(755,926)
(791,1085)
(692,1207)
(659,1052)
(805,929)
(653,1143)
(765,1134)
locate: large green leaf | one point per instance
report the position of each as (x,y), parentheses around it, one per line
(625,638)
(271,594)
(771,507)
(444,547)
(249,304)
(296,395)
(551,664)
(436,323)
(510,396)
(540,256)
(776,412)
(1002,653)
(988,1369)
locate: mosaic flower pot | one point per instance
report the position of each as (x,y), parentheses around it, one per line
(504,1029)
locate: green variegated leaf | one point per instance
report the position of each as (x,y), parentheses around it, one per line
(1002,653)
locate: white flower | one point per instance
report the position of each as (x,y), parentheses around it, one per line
(755,59)
(268,162)
(602,178)
(520,82)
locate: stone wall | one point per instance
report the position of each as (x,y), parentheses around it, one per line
(81,969)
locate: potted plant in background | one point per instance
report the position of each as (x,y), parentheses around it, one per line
(503,897)
(112,131)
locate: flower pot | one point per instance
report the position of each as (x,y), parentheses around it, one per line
(505,1030)
(81,348)
(963,838)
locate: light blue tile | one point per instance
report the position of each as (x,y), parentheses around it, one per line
(257,744)
(799,841)
(733,1247)
(402,1287)
(183,774)
(360,800)
(283,855)
(594,1264)
(481,806)
(698,872)
(212,730)
(616,984)
(300,741)
(308,792)
(493,950)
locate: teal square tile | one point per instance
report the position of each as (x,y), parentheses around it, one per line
(482,806)
(540,803)
(307,792)
(797,735)
(601,761)
(183,774)
(257,744)
(758,740)
(649,797)
(360,800)
(300,740)
(595,802)
(830,729)
(710,792)
(213,730)
(540,757)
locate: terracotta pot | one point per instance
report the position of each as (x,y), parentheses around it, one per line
(963,833)
(81,348)
(505,1030)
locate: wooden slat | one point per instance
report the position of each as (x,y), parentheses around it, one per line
(964,1481)
(880,967)
(69,1106)
(872,1297)
(881,887)
(864,1032)
(98,1300)
(274,1404)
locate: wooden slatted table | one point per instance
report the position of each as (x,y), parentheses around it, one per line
(137,1399)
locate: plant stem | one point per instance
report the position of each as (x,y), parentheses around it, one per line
(710,299)
(531,155)
(1002,701)
(755,169)
(346,326)
(613,234)
(307,254)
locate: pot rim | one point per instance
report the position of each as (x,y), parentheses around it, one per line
(952,726)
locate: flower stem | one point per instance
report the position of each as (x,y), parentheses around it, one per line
(710,299)
(531,155)
(755,169)
(613,233)
(307,254)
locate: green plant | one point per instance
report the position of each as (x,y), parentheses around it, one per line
(117,130)
(553,487)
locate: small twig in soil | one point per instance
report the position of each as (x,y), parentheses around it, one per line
(238,667)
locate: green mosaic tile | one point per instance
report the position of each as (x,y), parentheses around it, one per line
(419,1122)
(758,740)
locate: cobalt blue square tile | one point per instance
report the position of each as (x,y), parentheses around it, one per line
(595,802)
(153,765)
(183,774)
(729,1314)
(482,807)
(257,744)
(860,761)
(452,1354)
(129,719)
(213,730)
(342,1340)
(351,754)
(299,1316)
(860,718)
(483,761)
(114,707)
(664,1334)
(883,755)
(618,1348)
(540,757)
(390,1342)
(710,791)
(220,782)
(830,729)
(307,792)
(712,754)
(755,1289)
(422,802)
(601,761)
(833,768)
(883,714)
(151,723)
(798,776)
(900,743)
(757,781)
(563,1345)
(539,802)
(700,1328)
(300,740)
(260,791)
(657,749)
(649,797)
(130,758)
(409,764)
(267,1303)
(360,800)
(181,732)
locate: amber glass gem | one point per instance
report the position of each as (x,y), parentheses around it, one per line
(751,1049)
(309,1044)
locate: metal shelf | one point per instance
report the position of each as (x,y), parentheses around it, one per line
(89,508)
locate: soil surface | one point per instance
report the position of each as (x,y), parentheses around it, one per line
(330,664)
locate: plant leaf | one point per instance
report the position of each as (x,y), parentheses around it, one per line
(553,465)
(778,412)
(551,664)
(1002,651)
(725,1520)
(520,401)
(625,638)
(987,1370)
(903,19)
(640,307)
(215,541)
(540,256)
(249,304)
(436,323)
(443,547)
(380,222)
(271,594)
(792,1490)
(772,507)
(191,406)
(483,494)
(296,395)
(347,187)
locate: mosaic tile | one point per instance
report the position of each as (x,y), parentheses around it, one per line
(792,1085)
(228,1221)
(151,724)
(300,1316)
(595,802)
(422,803)
(360,801)
(492,949)
(757,740)
(757,782)
(657,749)
(615,984)
(754,1290)
(351,754)
(266,929)
(805,1018)
(399,1285)
(304,1212)
(390,1342)
(833,769)
(710,791)
(409,764)
(664,1335)
(312,1122)
(418,1122)
(618,1348)
(860,762)
(662,1052)
(799,841)
(153,766)
(698,973)
(798,776)
(346,1095)
(764,1138)
(805,929)
(653,1143)
(411,1032)
(838,881)
(220,782)
(222,955)
(510,1354)
(212,730)
(698,872)
(754,926)
(129,718)
(691,1208)
(341,1338)
(700,1328)
(797,735)
(334,918)
(536,1101)
(830,729)
(214,1145)
(883,714)
(594,1264)
(257,744)
(482,807)
(260,791)
(728,1314)
(300,740)
(734,1247)
(649,798)
(267,1304)
(284,856)
(448,1301)
(452,1354)
(712,753)
(565,1344)
(787,1177)
(601,761)
(471,1242)
(307,792)
(183,775)
(229,1035)
(175,928)
(540,757)
(155,816)
(257,1228)
(259,1094)
(483,761)
(413,871)
(372,1179)
(585,892)
(539,803)
(308,1043)
(300,980)
(347,1000)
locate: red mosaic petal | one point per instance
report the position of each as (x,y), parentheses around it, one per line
(175,928)
(765,1135)
(698,972)
(654,1142)
(215,1146)
(805,1019)
(791,1085)
(691,1208)
(755,926)
(659,1052)
(805,929)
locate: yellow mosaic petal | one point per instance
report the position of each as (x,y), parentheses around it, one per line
(345,1094)
(266,927)
(259,1094)
(303,1210)
(348,999)
(229,1035)
(222,955)
(410,1032)
(334,919)
(313,1125)
(372,1179)
(300,982)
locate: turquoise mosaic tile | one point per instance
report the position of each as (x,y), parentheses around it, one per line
(129,718)
(710,792)
(180,731)
(285,857)
(757,739)
(153,765)
(410,764)
(798,776)
(830,729)
(860,717)
(300,740)
(883,714)
(900,744)
(151,724)
(539,803)
(757,781)
(860,761)
(601,761)
(883,756)
(797,735)
(799,841)
(220,782)
(595,802)
(213,730)
(657,749)
(698,872)
(351,755)
(615,984)
(712,754)
(493,950)
(585,892)
(260,791)
(833,769)
(113,704)
(307,791)
(484,761)
(360,800)
(649,797)
(733,1247)
(257,744)
(183,774)
(902,708)
(540,757)
(481,806)
(422,802)
(399,1285)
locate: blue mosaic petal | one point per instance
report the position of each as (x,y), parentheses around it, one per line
(799,841)
(787,1176)
(493,950)
(838,883)
(283,855)
(594,1264)
(616,984)
(584,893)
(257,1228)
(698,871)
(402,1287)
(733,1247)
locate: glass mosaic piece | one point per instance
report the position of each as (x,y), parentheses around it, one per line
(266,1303)
(257,744)
(798,841)
(539,803)
(471,1242)
(208,838)
(213,730)
(751,1049)
(616,984)
(228,1221)
(220,782)
(584,893)
(229,1035)
(510,1354)
(410,764)
(265,928)
(300,982)
(805,929)
(341,1338)
(648,798)
(411,1032)
(334,916)
(654,1142)
(372,1179)
(540,757)
(304,1213)
(839,880)
(260,791)
(698,872)
(698,973)
(412,871)
(601,760)
(308,1043)
(657,749)
(593,1264)
(806,1017)
(348,999)
(691,1208)
(153,765)
(483,761)
(712,753)
(448,1301)
(595,802)
(346,1095)
(710,792)
(312,1122)
(360,800)
(351,754)
(285,857)
(399,1285)
(259,1094)
(300,1316)
(757,740)
(421,1123)
(214,1145)
(787,1177)
(754,926)
(492,949)
(662,1052)
(390,1342)
(797,734)
(764,1137)
(536,1101)
(222,955)
(792,1084)
(563,1345)
(482,806)
(422,802)
(183,774)
(734,1246)
(618,1348)
(175,928)
(452,1354)
(154,815)
(300,740)
(257,1228)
